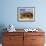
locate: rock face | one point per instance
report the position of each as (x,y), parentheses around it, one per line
(28,15)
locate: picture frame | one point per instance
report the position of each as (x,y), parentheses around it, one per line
(26,14)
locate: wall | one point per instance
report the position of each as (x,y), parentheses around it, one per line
(9,13)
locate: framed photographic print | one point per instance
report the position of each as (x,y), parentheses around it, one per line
(26,14)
